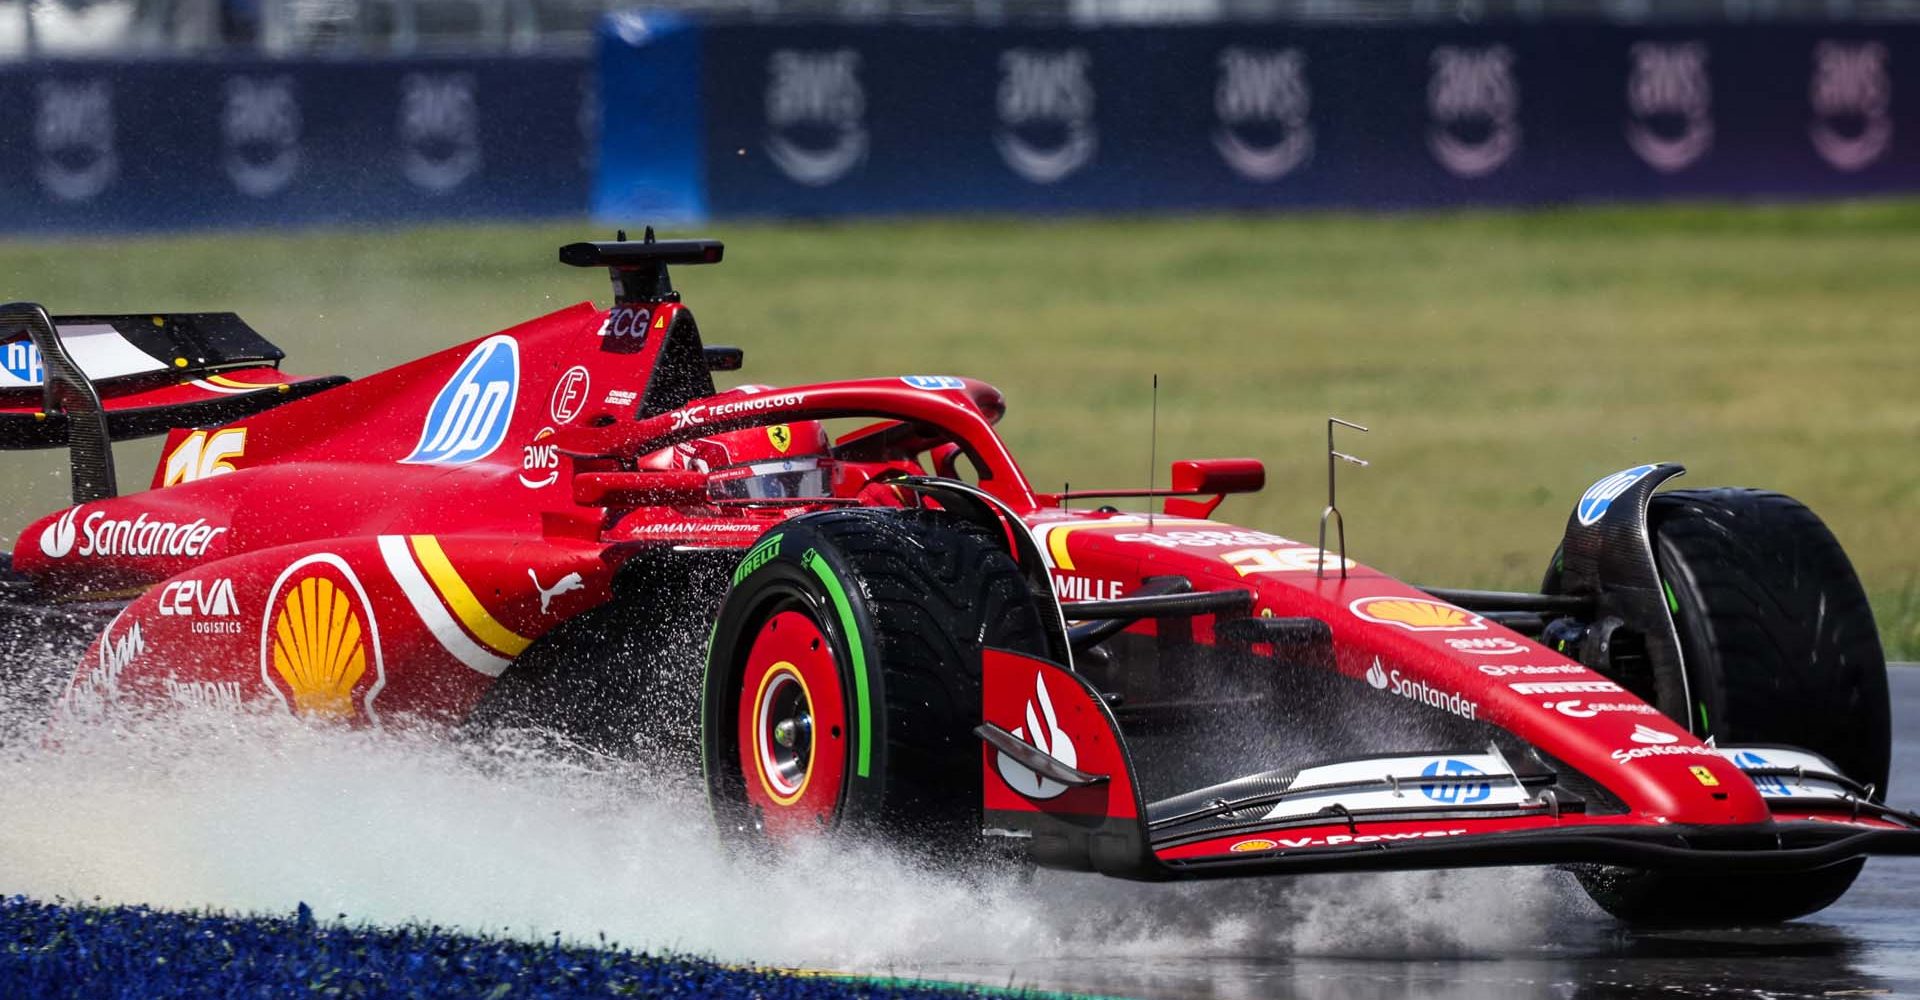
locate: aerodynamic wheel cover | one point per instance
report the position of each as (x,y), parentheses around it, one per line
(792,727)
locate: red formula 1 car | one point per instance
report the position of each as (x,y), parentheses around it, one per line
(563,526)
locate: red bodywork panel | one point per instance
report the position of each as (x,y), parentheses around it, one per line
(1405,643)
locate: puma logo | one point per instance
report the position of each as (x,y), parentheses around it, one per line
(566,583)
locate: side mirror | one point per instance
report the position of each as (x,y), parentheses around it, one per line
(1218,476)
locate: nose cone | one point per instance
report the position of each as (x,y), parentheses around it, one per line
(1674,777)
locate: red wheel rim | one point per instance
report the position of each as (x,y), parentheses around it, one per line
(793,727)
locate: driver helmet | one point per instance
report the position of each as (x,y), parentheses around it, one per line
(771,462)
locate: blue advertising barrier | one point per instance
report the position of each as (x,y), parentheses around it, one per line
(100,146)
(816,120)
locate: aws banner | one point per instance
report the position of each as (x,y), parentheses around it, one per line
(169,144)
(831,119)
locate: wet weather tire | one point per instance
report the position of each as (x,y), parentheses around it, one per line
(843,681)
(1780,647)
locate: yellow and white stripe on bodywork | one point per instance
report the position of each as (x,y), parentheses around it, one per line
(439,596)
(232,387)
(1052,536)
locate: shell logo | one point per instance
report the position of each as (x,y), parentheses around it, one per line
(319,645)
(1249,846)
(1417,614)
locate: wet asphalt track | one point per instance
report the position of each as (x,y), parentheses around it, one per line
(1867,945)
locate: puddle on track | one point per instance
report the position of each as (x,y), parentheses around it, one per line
(256,813)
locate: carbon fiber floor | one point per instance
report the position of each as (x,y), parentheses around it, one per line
(1550,943)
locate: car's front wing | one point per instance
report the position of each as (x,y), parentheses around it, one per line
(1058,776)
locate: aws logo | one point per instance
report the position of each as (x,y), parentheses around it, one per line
(540,461)
(1671,98)
(260,129)
(816,114)
(1046,113)
(469,417)
(1262,102)
(439,130)
(1473,103)
(74,133)
(1852,95)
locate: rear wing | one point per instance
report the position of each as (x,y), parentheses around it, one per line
(87,381)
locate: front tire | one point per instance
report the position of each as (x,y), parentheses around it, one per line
(1780,647)
(843,679)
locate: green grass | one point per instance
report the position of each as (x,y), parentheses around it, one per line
(1504,360)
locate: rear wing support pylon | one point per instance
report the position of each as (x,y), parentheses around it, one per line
(66,389)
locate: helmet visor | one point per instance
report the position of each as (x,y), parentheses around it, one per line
(788,480)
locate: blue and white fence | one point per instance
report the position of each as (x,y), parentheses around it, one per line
(101,146)
(844,119)
(689,121)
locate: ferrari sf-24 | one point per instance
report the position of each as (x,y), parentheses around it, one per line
(894,632)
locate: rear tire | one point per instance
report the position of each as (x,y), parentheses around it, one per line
(1780,647)
(621,681)
(843,680)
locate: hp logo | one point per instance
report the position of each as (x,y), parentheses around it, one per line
(1770,784)
(22,360)
(469,417)
(1600,496)
(1451,793)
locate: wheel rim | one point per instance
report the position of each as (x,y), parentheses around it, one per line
(792,727)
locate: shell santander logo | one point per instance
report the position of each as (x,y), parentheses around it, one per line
(319,644)
(1417,614)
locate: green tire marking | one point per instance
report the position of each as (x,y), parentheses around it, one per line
(863,766)
(1703,719)
(713,633)
(1673,603)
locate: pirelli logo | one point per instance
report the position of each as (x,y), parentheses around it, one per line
(763,552)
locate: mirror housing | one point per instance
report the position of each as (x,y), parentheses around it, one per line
(1217,476)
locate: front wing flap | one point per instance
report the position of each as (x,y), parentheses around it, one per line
(1080,807)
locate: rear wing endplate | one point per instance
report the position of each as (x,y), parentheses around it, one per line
(87,381)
